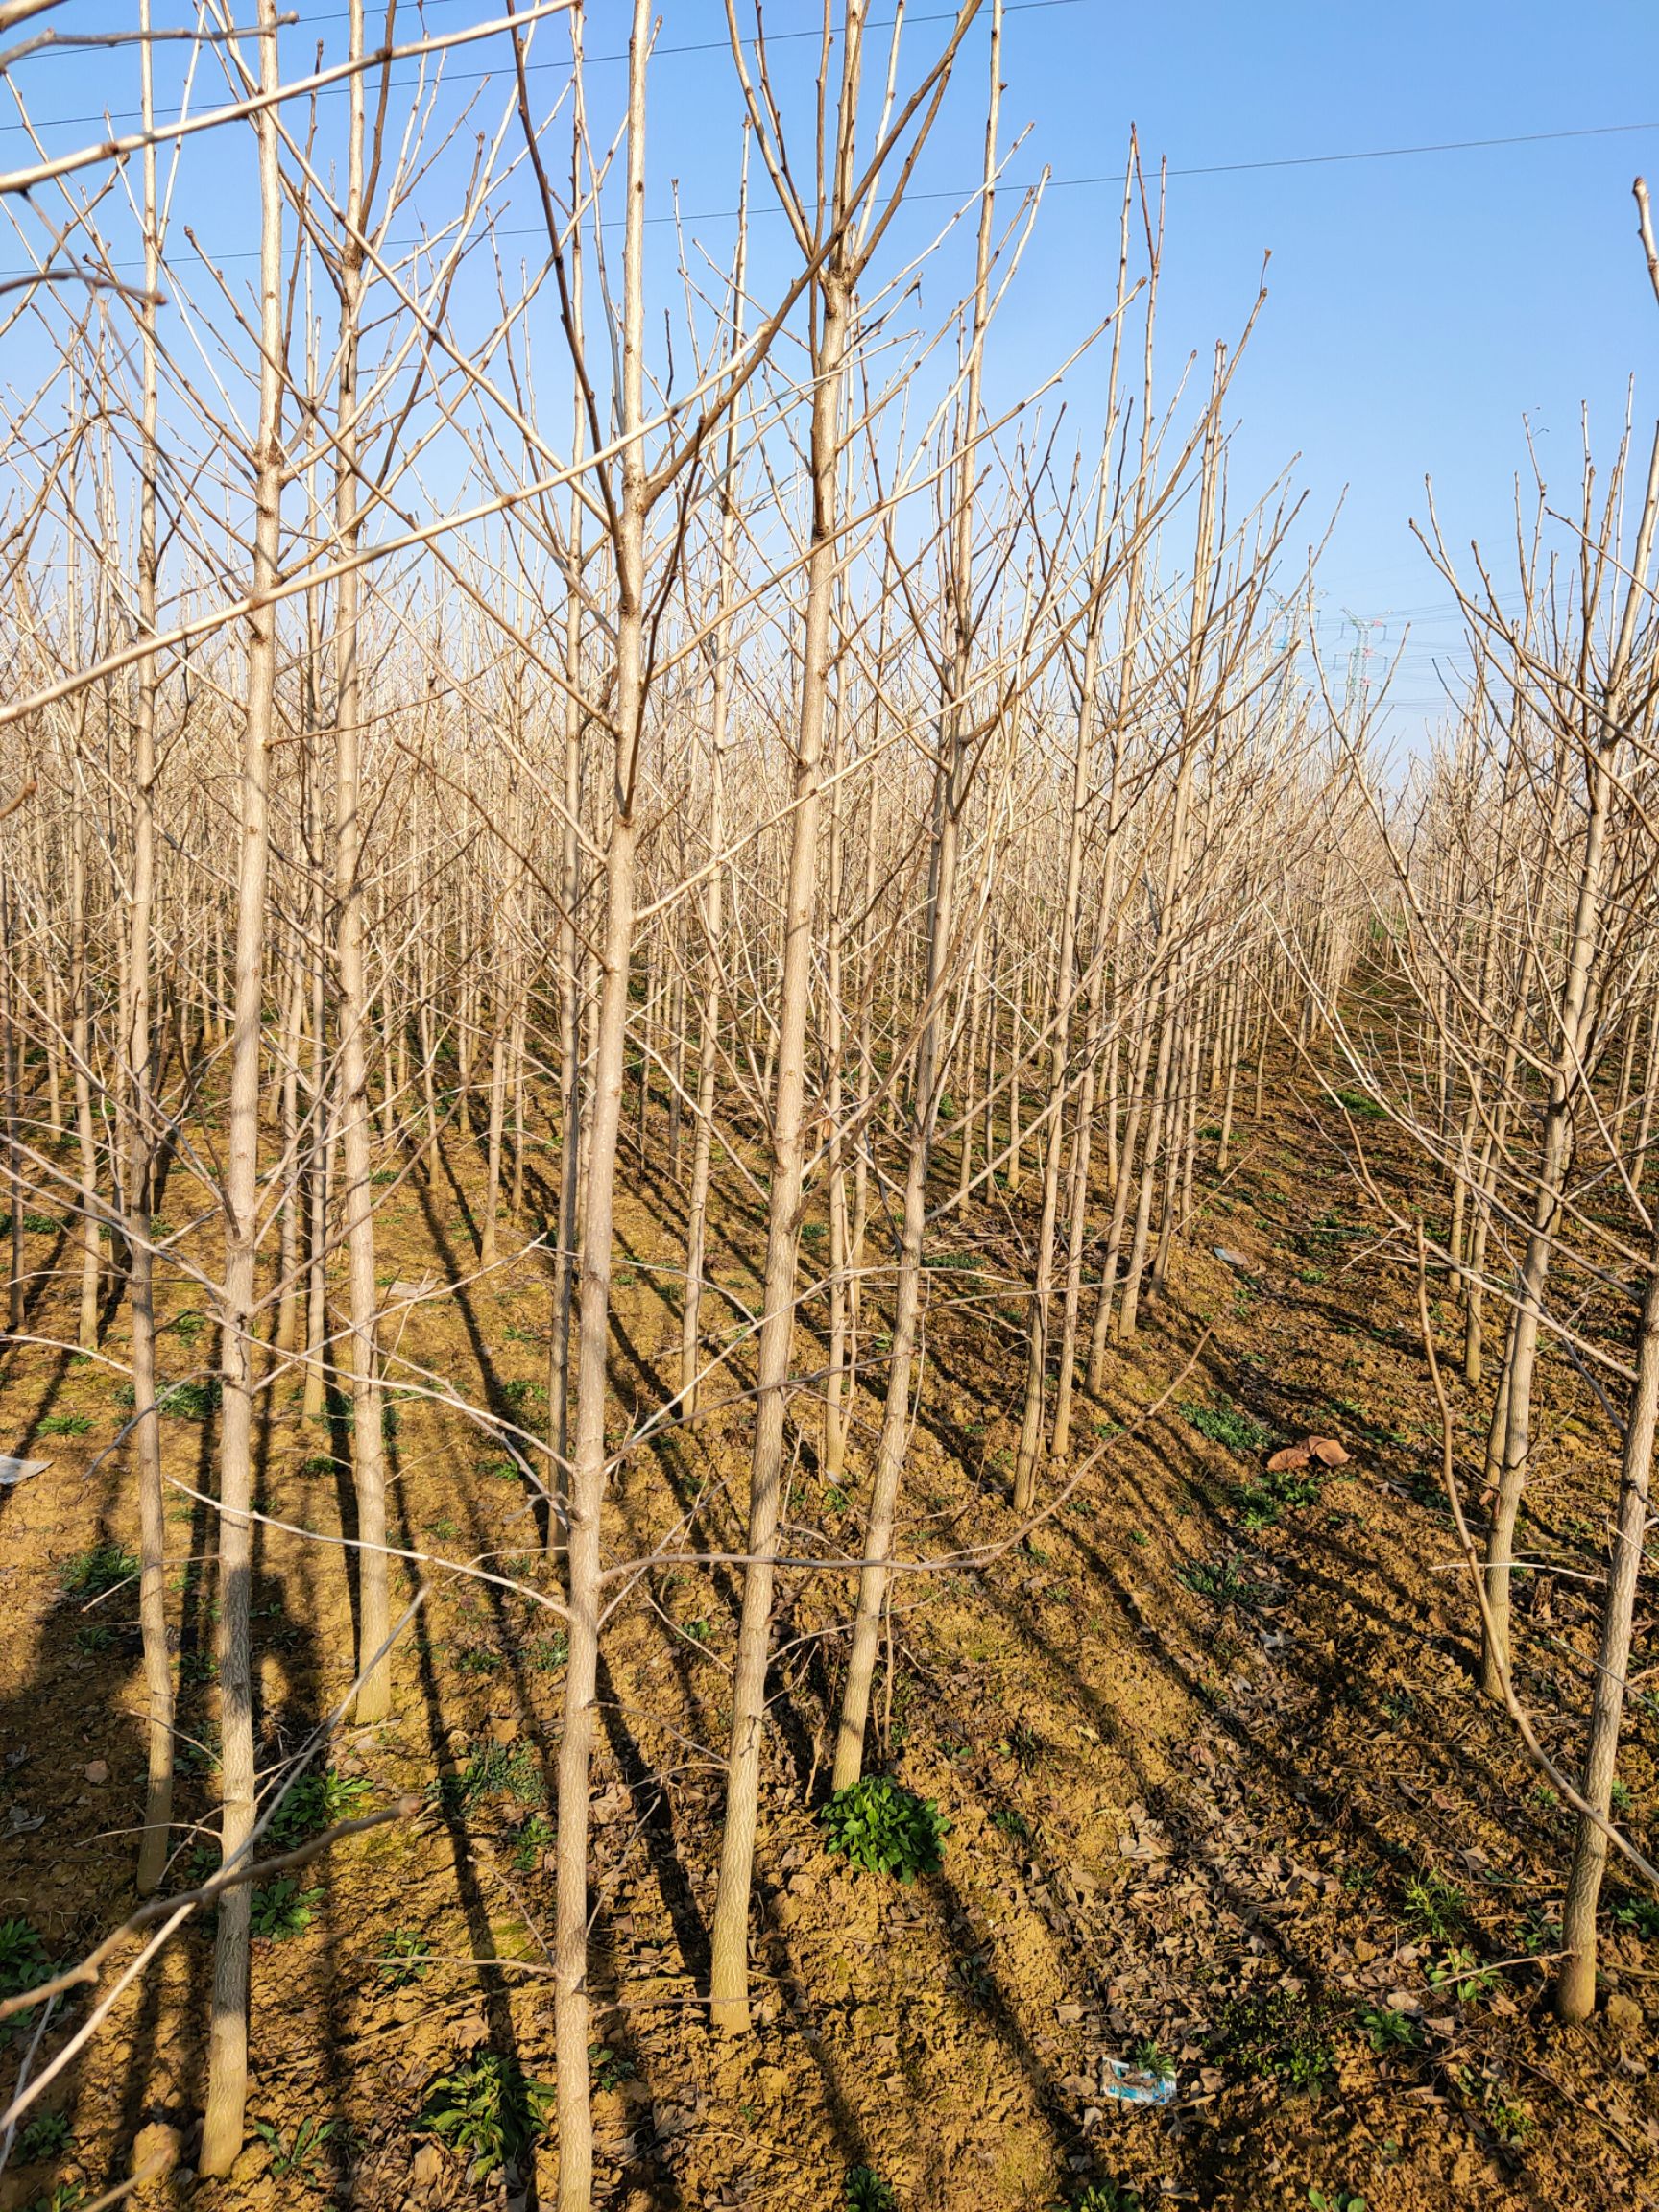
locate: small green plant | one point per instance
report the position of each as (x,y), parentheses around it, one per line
(547,1653)
(95,1636)
(23,1962)
(1022,1744)
(519,1394)
(1262,1498)
(1220,1583)
(281,1910)
(1638,1912)
(1460,1972)
(191,1757)
(302,2160)
(1226,1425)
(611,2068)
(189,1401)
(534,1837)
(486,2109)
(315,1803)
(43,2137)
(1362,1102)
(1388,2030)
(1011,1822)
(477,1659)
(1539,1932)
(1151,2058)
(62,1425)
(1281,2036)
(1338,2200)
(975,1975)
(1437,1905)
(495,1770)
(867,2191)
(103,1568)
(407,1959)
(882,1828)
(1109,2197)
(1622,1802)
(65,2197)
(319,1463)
(1509,2118)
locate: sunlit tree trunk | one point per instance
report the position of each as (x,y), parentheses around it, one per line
(227,2041)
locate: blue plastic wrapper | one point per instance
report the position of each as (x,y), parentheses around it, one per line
(1134,2085)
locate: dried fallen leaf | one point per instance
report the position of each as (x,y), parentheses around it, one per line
(1292,1456)
(1328,1452)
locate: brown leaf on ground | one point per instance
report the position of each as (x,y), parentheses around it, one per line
(1292,1456)
(1328,1452)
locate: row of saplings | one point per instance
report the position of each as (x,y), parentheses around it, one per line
(487,2110)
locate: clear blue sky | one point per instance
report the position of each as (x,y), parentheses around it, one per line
(1421,308)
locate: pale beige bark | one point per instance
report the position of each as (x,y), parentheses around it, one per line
(354,1110)
(713,892)
(729,1977)
(146,1437)
(951,770)
(1512,1417)
(1576,1988)
(228,2037)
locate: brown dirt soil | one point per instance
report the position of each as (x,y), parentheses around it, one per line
(1218,1776)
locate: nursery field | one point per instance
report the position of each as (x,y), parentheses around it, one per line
(830,1346)
(1223,1799)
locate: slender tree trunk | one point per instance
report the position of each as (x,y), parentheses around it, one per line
(570,891)
(355,1125)
(713,900)
(9,1075)
(1031,1426)
(1575,1991)
(729,1977)
(949,797)
(583,1552)
(228,2039)
(488,1240)
(154,1844)
(81,1037)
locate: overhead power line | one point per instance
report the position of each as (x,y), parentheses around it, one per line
(1079,183)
